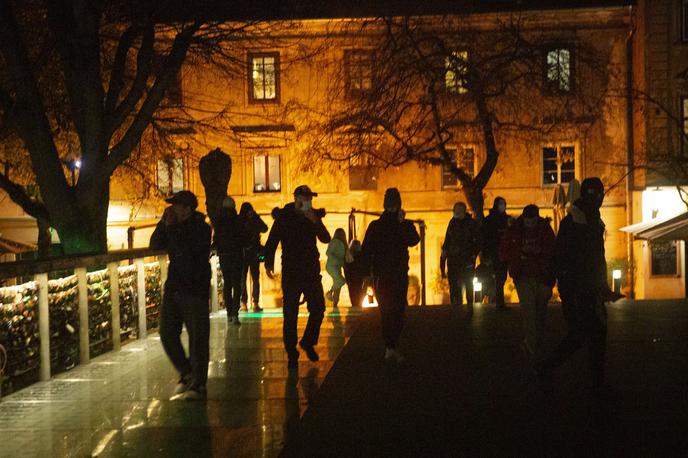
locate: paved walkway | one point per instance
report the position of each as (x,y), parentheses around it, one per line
(118,405)
(466,390)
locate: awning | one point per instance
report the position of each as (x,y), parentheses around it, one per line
(671,228)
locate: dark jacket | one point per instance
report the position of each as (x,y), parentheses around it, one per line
(495,225)
(385,246)
(579,250)
(529,252)
(229,234)
(300,256)
(252,227)
(188,246)
(462,241)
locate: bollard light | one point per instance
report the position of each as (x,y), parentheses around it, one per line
(477,290)
(369,299)
(616,280)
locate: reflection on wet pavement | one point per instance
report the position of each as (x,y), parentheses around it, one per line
(119,404)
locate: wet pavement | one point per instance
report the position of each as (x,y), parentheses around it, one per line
(119,404)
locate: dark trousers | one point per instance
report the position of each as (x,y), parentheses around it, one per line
(460,275)
(500,278)
(586,319)
(253,266)
(312,290)
(231,273)
(392,302)
(191,311)
(356,293)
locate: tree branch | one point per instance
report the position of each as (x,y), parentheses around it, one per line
(117,75)
(21,198)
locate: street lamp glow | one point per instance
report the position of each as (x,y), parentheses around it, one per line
(616,274)
(369,300)
(77,163)
(477,286)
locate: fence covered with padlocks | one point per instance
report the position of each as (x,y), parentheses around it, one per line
(125,297)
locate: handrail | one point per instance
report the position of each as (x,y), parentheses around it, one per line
(32,267)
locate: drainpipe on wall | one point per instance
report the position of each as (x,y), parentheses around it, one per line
(629,153)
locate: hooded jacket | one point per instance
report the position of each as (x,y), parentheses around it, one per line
(252,227)
(300,256)
(529,252)
(463,240)
(579,250)
(495,225)
(188,246)
(386,244)
(229,234)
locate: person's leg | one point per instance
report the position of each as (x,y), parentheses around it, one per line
(339,282)
(500,278)
(385,300)
(527,292)
(236,286)
(245,266)
(575,336)
(468,275)
(226,269)
(454,279)
(254,266)
(397,310)
(171,320)
(315,299)
(291,292)
(197,321)
(597,331)
(544,293)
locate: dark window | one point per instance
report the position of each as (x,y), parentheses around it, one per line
(664,257)
(170,175)
(558,164)
(559,69)
(362,173)
(684,126)
(465,160)
(263,77)
(456,71)
(266,174)
(358,65)
(684,20)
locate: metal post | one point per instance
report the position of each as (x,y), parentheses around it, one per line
(114,298)
(82,287)
(214,306)
(43,324)
(141,296)
(422,263)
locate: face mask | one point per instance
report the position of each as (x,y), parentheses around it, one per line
(306,205)
(459,214)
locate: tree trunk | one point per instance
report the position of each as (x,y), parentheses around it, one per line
(83,228)
(476,201)
(44,238)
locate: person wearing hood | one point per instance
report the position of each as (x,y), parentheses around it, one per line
(183,233)
(385,254)
(528,250)
(461,246)
(355,272)
(297,227)
(252,226)
(336,258)
(581,271)
(494,227)
(229,243)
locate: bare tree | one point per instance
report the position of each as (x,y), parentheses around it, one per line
(439,82)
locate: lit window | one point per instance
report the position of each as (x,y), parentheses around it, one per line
(264,77)
(170,175)
(362,173)
(465,159)
(266,174)
(684,122)
(558,164)
(558,67)
(456,72)
(358,65)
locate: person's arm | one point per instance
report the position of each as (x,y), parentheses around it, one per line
(321,232)
(547,254)
(260,224)
(271,246)
(158,240)
(368,249)
(411,236)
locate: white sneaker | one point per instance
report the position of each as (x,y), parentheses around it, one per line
(183,384)
(195,394)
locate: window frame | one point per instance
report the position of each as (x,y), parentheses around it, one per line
(348,53)
(683,127)
(267,157)
(363,164)
(250,58)
(683,16)
(457,149)
(458,89)
(170,162)
(554,87)
(558,146)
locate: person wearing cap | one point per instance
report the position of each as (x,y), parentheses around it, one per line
(229,243)
(461,246)
(581,271)
(494,227)
(385,251)
(184,234)
(297,227)
(527,249)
